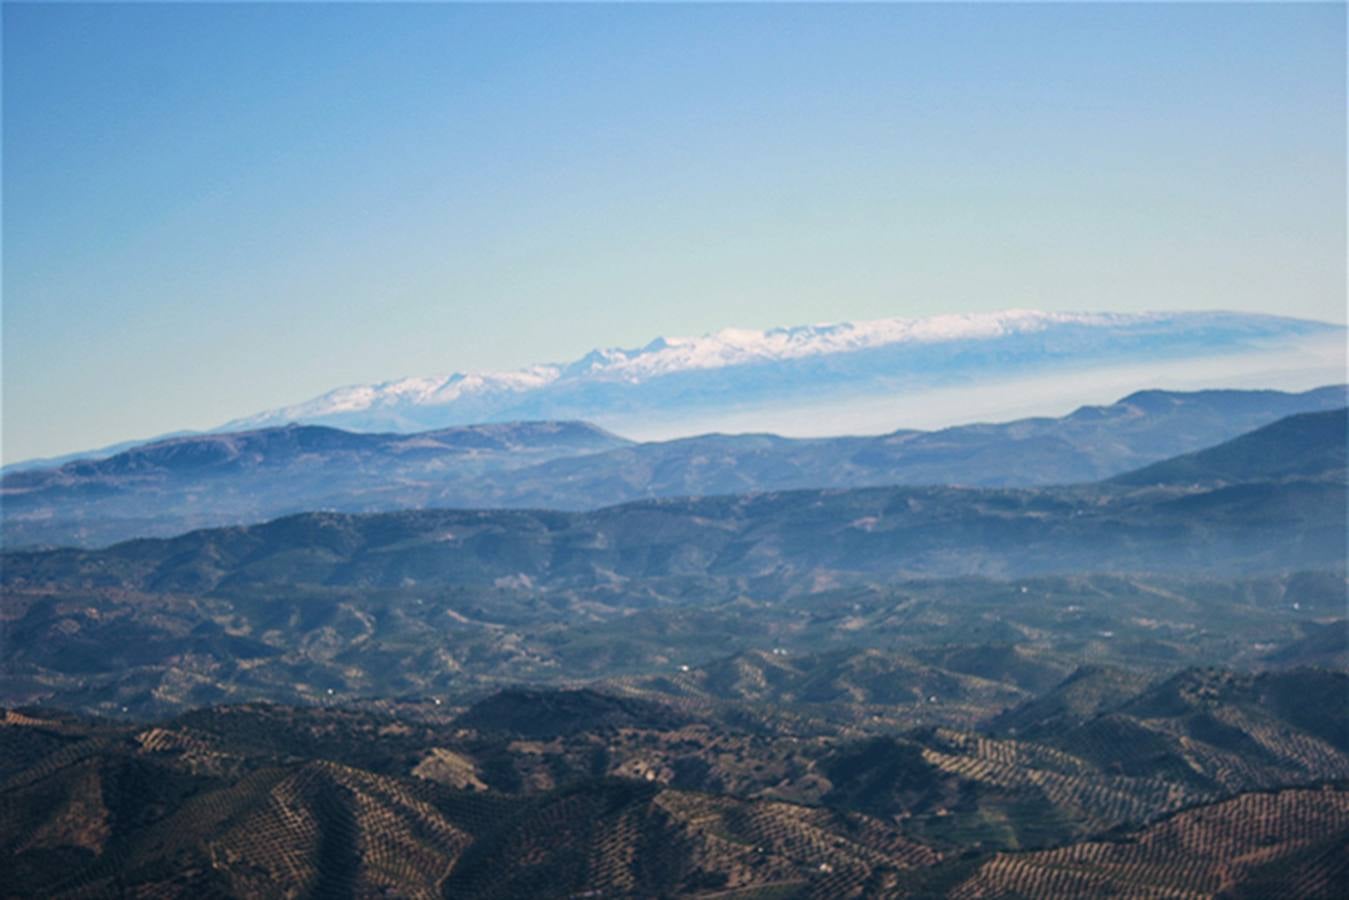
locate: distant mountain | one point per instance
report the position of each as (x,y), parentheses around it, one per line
(683,385)
(214,455)
(203,480)
(1092,443)
(168,487)
(882,532)
(52,462)
(1279,518)
(317,604)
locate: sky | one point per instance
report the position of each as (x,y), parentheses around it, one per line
(210,210)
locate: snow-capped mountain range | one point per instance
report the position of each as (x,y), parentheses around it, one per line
(682,385)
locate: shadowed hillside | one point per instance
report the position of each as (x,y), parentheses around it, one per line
(1302,446)
(1287,843)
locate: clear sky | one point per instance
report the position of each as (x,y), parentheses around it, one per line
(212,210)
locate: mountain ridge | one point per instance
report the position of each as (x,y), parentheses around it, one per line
(1270,523)
(160,489)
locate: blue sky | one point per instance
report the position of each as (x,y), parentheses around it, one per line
(211,210)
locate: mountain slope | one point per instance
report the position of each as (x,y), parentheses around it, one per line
(877,532)
(1310,445)
(1284,843)
(210,480)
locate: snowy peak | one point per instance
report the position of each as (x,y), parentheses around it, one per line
(740,368)
(428,391)
(743,346)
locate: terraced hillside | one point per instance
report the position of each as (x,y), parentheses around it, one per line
(585,793)
(949,786)
(151,812)
(1285,843)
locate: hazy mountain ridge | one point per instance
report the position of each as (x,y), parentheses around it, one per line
(285,446)
(1282,521)
(201,481)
